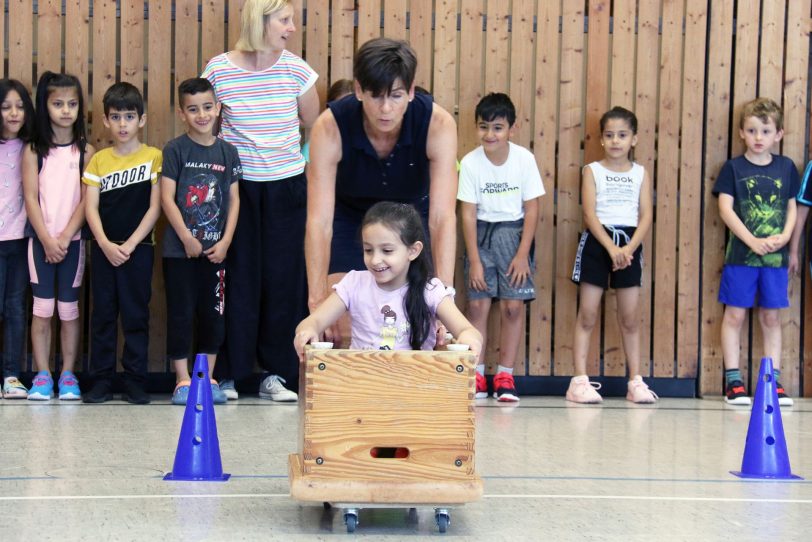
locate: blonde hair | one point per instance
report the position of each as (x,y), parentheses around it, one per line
(255,14)
(763,109)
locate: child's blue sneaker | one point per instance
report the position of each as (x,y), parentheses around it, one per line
(69,387)
(42,387)
(218,396)
(181,393)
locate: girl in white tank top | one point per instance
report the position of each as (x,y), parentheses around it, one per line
(617,207)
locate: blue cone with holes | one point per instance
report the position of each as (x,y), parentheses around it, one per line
(765,450)
(198,455)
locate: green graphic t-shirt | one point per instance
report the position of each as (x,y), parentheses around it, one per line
(760,197)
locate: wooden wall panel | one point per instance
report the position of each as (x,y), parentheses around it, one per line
(77,36)
(645,107)
(717,134)
(103,66)
(568,209)
(132,43)
(563,64)
(690,191)
(796,113)
(317,36)
(545,133)
(369,20)
(186,38)
(21,41)
(49,36)
(342,38)
(420,36)
(665,228)
(394,19)
(213,31)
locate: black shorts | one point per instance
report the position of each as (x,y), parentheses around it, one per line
(594,266)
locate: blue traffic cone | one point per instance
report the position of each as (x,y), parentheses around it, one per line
(765,450)
(198,455)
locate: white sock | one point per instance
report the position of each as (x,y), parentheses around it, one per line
(481,369)
(503,369)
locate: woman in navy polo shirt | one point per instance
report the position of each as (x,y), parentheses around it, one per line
(383,143)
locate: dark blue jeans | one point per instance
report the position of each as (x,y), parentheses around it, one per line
(13,286)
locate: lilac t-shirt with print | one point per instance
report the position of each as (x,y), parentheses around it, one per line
(12,207)
(379,319)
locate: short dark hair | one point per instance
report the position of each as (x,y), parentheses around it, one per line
(495,105)
(380,62)
(622,113)
(123,96)
(195,85)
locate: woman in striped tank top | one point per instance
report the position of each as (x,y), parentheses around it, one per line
(267,94)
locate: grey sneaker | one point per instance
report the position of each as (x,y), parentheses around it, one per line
(227,387)
(272,388)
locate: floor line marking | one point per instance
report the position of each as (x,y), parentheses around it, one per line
(510,496)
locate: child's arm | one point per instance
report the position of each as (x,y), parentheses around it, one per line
(476,273)
(760,246)
(320,319)
(217,252)
(148,222)
(30,174)
(113,252)
(191,245)
(789,226)
(77,219)
(644,218)
(519,268)
(801,212)
(459,326)
(588,203)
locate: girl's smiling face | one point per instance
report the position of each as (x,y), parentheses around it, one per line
(386,256)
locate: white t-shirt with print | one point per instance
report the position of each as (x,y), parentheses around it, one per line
(499,192)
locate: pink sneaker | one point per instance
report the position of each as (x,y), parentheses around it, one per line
(481,387)
(639,392)
(581,390)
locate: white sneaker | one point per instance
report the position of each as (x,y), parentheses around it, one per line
(227,387)
(581,390)
(272,388)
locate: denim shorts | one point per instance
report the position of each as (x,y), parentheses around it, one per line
(741,284)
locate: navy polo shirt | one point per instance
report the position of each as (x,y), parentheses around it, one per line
(363,179)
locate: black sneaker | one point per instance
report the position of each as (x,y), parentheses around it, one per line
(783,398)
(134,393)
(736,394)
(101,391)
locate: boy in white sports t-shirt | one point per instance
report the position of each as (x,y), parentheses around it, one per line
(499,189)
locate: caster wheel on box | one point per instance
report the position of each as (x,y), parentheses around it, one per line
(351,520)
(443,519)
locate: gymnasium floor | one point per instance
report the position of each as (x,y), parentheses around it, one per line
(551,471)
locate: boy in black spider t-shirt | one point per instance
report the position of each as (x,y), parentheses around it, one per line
(200,197)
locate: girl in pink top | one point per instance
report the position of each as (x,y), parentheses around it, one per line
(395,302)
(16,129)
(54,194)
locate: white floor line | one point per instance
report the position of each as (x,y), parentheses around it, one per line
(515,496)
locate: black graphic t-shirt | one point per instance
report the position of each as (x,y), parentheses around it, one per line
(203,176)
(760,197)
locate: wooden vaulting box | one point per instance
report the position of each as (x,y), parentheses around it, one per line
(386,427)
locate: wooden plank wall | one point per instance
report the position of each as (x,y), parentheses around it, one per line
(684,66)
